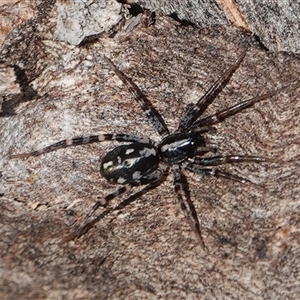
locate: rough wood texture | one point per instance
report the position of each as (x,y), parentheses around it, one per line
(146,251)
(275,23)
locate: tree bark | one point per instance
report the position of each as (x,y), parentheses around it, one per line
(53,90)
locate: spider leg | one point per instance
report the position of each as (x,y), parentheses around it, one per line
(186,204)
(103,202)
(88,225)
(153,180)
(233,110)
(196,110)
(85,140)
(219,160)
(151,113)
(195,168)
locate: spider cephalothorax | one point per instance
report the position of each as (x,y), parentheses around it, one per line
(142,161)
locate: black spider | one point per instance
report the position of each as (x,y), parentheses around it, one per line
(145,162)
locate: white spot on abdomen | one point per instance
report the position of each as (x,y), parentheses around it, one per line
(107,165)
(121,180)
(128,151)
(146,152)
(136,175)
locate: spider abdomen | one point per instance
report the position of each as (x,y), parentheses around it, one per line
(129,163)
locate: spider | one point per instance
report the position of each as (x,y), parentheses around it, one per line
(142,161)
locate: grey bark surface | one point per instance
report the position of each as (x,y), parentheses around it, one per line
(52,90)
(275,23)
